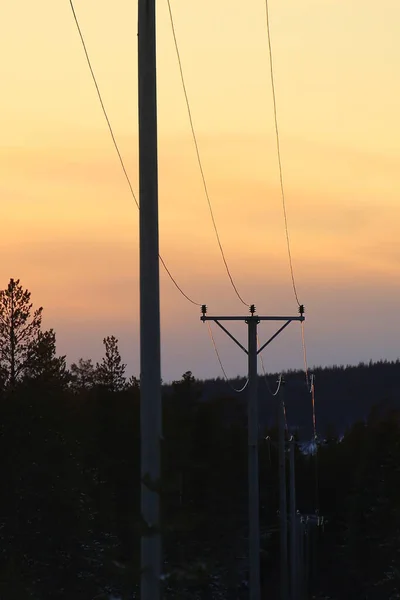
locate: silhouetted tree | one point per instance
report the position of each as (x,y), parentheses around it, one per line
(110,373)
(19,330)
(133,383)
(3,379)
(82,375)
(42,363)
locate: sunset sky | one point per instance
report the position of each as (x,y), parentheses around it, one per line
(70,227)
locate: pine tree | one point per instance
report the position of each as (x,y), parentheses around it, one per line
(19,329)
(42,364)
(110,373)
(82,375)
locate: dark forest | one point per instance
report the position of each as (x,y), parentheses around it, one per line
(70,471)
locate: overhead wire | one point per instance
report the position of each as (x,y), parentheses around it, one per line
(280,380)
(310,382)
(200,163)
(310,387)
(283,197)
(282,400)
(178,287)
(304,347)
(278,147)
(238,391)
(110,128)
(101,101)
(266,380)
(285,416)
(313,407)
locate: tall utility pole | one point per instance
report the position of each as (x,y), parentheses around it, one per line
(282,495)
(252,322)
(254,495)
(293,524)
(150,369)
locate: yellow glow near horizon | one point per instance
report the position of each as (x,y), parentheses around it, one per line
(68,219)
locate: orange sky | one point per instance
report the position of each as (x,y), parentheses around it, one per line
(70,227)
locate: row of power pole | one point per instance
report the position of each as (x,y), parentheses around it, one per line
(298,565)
(252,352)
(150,351)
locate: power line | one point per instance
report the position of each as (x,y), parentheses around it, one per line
(266,380)
(199,157)
(276,392)
(178,287)
(277,389)
(278,146)
(116,144)
(101,101)
(303,343)
(221,365)
(309,380)
(313,407)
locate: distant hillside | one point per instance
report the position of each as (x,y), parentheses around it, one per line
(343,395)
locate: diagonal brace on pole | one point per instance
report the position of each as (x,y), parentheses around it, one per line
(230,335)
(217,320)
(274,336)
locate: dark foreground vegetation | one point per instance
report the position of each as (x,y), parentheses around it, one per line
(70,479)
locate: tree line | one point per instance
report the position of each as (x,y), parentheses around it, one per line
(70,521)
(28,354)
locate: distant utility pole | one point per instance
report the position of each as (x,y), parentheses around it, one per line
(282,494)
(300,562)
(150,370)
(252,414)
